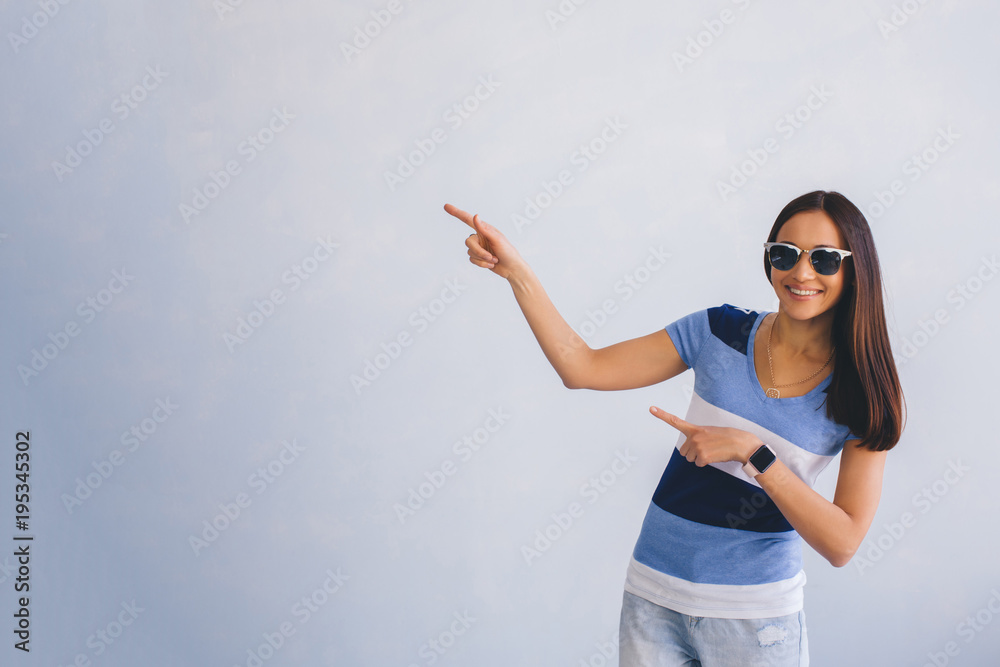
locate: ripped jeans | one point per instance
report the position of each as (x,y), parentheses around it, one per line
(654,636)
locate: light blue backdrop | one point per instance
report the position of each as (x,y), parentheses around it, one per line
(244,335)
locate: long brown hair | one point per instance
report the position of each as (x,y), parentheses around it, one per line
(865,393)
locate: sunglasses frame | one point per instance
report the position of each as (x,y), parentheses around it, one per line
(798,256)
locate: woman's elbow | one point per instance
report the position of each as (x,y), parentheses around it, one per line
(840,561)
(574,377)
(843,555)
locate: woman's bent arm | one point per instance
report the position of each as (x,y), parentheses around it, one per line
(834,529)
(627,365)
(639,362)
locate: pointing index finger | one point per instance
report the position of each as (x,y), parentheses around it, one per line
(467,218)
(464,216)
(673,420)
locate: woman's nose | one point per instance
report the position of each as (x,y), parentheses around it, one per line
(803,267)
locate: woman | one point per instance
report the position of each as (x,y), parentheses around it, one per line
(716,577)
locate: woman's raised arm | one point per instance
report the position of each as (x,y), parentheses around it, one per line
(630,364)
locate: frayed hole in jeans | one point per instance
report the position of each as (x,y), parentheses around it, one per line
(772,635)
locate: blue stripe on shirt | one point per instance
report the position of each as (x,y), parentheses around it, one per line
(712,555)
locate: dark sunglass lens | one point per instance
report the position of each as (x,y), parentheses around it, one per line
(782,257)
(825,262)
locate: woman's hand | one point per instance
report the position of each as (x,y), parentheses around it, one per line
(711,444)
(488,248)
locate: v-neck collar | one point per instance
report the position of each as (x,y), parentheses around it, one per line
(755,382)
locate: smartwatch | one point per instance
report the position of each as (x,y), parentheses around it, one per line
(759,461)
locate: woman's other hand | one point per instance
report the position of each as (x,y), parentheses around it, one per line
(711,444)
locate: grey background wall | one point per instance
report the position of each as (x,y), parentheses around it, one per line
(276,417)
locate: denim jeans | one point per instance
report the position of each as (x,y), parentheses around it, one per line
(654,636)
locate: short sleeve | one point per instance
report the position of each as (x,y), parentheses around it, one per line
(689,335)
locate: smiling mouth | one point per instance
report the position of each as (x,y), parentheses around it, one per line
(803,293)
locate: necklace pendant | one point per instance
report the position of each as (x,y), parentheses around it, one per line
(773,393)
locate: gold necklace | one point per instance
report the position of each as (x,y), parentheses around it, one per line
(772,391)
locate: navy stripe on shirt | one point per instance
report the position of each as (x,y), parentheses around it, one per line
(713,497)
(732,325)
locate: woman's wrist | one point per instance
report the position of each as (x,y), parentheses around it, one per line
(521,277)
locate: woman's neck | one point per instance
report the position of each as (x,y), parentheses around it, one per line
(811,339)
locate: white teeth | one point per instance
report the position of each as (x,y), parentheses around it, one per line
(801,293)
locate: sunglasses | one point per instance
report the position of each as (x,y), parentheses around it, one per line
(826,261)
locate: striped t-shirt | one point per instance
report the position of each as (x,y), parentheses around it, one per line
(713,543)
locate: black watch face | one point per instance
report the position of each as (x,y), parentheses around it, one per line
(762,458)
